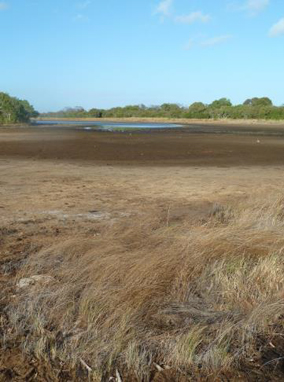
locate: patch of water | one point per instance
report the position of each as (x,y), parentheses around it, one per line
(109,126)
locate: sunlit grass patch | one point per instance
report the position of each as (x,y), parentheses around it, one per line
(194,297)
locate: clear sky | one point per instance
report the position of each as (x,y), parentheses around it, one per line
(104,53)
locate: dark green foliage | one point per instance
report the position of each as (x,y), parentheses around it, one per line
(138,111)
(222,102)
(171,110)
(198,110)
(255,108)
(95,113)
(13,110)
(264,101)
(29,109)
(197,107)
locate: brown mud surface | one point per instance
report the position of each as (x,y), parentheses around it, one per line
(57,184)
(195,145)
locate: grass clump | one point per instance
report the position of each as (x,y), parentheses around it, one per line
(202,297)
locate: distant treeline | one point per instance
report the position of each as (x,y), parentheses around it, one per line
(14,110)
(254,108)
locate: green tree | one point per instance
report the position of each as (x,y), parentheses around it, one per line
(197,107)
(220,103)
(95,113)
(263,101)
(29,109)
(12,110)
(254,108)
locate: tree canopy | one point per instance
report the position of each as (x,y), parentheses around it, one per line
(254,108)
(220,103)
(264,101)
(14,110)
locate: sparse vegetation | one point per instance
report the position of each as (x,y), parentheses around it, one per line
(202,297)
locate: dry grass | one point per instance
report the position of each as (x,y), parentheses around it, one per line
(197,296)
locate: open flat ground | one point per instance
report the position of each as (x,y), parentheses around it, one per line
(131,201)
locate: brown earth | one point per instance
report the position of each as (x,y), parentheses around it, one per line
(195,145)
(60,183)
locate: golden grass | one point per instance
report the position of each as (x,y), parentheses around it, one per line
(195,296)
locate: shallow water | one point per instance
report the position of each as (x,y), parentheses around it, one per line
(109,125)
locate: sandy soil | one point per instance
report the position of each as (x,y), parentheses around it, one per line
(59,183)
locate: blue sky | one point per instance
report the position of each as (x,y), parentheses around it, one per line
(104,53)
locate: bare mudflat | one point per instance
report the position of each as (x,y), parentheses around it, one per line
(145,256)
(195,145)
